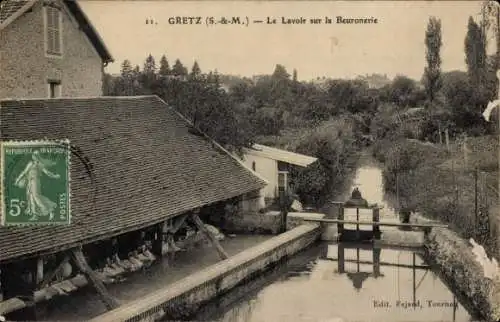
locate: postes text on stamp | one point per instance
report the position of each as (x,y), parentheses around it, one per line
(35,183)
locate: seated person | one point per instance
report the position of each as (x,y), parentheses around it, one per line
(356,200)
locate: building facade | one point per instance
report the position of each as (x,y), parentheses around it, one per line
(274,166)
(49,49)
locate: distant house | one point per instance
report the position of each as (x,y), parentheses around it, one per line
(274,166)
(49,49)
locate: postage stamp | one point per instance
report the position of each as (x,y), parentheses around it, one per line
(35,185)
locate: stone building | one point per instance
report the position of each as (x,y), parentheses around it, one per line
(48,49)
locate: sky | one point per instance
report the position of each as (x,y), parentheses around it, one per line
(393,46)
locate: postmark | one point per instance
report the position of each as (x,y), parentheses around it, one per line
(35,185)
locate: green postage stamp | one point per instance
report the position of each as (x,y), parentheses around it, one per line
(35,183)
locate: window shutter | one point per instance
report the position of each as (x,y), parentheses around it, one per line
(53,31)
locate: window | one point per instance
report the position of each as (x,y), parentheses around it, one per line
(53,31)
(54,89)
(282,181)
(253,165)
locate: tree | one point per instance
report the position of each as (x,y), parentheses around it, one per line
(148,76)
(490,12)
(294,75)
(125,84)
(475,53)
(178,69)
(149,65)
(432,73)
(402,91)
(126,68)
(280,73)
(164,67)
(195,70)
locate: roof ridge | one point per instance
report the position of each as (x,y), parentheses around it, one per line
(8,99)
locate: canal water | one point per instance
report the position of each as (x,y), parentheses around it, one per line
(333,282)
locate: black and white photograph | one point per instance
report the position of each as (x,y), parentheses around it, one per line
(249,160)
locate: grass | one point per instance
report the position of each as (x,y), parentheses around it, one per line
(441,184)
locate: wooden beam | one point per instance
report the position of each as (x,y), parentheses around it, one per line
(93,278)
(362,262)
(342,203)
(372,223)
(178,222)
(49,277)
(215,242)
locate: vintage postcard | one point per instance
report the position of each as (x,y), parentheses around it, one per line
(249,161)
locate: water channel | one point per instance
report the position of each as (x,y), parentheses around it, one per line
(333,282)
(325,283)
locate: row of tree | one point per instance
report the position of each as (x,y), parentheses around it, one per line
(458,98)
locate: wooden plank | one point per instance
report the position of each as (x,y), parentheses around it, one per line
(93,278)
(49,277)
(372,223)
(356,207)
(215,242)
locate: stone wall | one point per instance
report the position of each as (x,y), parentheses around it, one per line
(252,223)
(459,267)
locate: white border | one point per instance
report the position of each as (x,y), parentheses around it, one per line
(33,143)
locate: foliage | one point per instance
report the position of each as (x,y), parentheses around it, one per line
(475,52)
(464,102)
(404,92)
(432,72)
(178,69)
(164,67)
(335,147)
(199,98)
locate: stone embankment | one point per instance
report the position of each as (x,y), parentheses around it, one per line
(459,267)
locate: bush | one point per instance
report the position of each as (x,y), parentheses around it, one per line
(405,156)
(335,147)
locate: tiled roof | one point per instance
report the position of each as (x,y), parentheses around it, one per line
(147,166)
(9,7)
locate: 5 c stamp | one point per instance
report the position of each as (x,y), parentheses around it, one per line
(35,185)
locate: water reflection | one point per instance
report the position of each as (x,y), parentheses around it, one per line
(351,282)
(357,276)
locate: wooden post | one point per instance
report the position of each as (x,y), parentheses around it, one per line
(215,242)
(414,280)
(80,262)
(376,218)
(161,230)
(466,156)
(39,270)
(376,261)
(50,276)
(357,225)
(447,139)
(476,203)
(341,258)
(340,226)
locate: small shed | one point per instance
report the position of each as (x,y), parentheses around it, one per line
(274,165)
